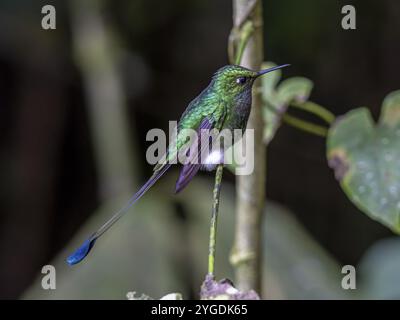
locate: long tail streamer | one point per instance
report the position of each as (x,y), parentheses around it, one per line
(85,248)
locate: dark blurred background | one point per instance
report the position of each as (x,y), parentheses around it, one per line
(163,53)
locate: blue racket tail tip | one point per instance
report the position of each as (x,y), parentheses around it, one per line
(81,252)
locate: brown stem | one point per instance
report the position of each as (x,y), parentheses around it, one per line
(246,255)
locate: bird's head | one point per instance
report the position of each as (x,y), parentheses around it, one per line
(234,79)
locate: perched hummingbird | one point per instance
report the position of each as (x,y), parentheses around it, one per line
(224,104)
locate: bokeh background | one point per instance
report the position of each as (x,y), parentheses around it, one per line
(76,104)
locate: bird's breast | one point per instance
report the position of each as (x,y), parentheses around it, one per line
(240,111)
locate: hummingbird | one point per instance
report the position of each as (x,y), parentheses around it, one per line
(224,104)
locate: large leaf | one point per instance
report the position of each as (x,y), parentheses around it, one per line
(276,99)
(366,160)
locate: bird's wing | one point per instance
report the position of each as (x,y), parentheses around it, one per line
(199,149)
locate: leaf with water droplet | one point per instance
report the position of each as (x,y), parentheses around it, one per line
(365,158)
(276,98)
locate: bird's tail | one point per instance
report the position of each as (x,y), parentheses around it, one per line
(85,248)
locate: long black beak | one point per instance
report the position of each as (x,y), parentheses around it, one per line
(260,73)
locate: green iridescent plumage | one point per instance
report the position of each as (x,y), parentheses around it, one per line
(224,104)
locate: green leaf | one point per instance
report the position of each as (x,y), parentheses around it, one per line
(366,160)
(276,99)
(294,89)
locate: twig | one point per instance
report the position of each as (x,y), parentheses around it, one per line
(305,125)
(315,109)
(245,34)
(214,220)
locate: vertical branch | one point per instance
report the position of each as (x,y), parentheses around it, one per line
(250,189)
(214,220)
(96,55)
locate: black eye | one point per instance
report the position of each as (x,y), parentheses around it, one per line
(241,80)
